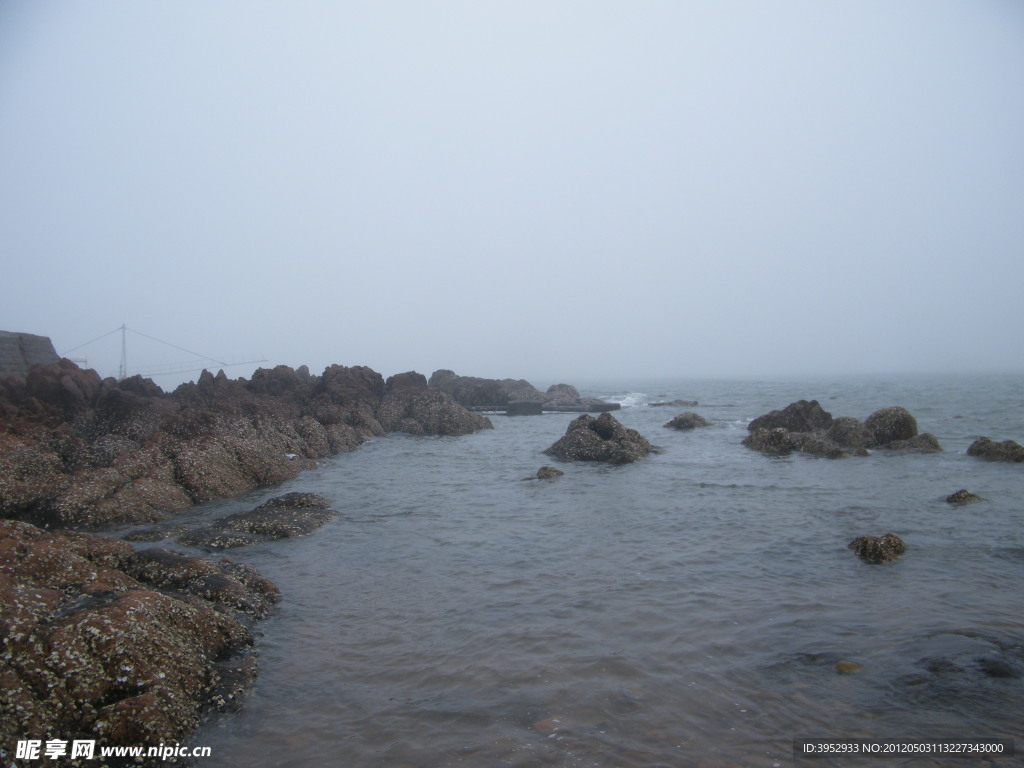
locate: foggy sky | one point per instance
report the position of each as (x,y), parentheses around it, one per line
(549,190)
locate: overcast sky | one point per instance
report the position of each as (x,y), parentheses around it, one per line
(545,190)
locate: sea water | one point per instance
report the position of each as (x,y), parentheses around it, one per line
(686,609)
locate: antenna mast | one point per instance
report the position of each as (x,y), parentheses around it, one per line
(123,373)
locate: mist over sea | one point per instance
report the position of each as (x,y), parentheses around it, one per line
(687,609)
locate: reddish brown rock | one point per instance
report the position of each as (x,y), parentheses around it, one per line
(99,641)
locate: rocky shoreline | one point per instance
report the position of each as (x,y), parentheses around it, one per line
(103,641)
(131,647)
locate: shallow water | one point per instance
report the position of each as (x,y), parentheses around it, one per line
(687,608)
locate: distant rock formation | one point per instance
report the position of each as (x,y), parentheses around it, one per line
(806,427)
(410,406)
(986,448)
(688,420)
(20,351)
(474,392)
(600,439)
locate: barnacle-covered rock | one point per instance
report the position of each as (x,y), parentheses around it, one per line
(101,641)
(600,439)
(986,448)
(687,420)
(878,549)
(294,514)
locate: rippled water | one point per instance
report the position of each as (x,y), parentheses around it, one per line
(688,609)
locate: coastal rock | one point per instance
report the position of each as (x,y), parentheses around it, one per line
(600,439)
(94,646)
(409,406)
(922,443)
(878,549)
(963,496)
(890,425)
(76,450)
(687,421)
(777,441)
(474,391)
(801,416)
(804,426)
(547,473)
(294,514)
(986,448)
(851,433)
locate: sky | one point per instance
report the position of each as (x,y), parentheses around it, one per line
(541,190)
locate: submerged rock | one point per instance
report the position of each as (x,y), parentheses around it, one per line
(675,404)
(963,496)
(687,421)
(986,448)
(546,473)
(294,514)
(125,647)
(878,549)
(600,439)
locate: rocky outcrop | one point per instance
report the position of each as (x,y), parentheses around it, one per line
(806,427)
(410,406)
(600,439)
(986,448)
(473,392)
(102,642)
(688,420)
(801,416)
(878,549)
(77,450)
(294,514)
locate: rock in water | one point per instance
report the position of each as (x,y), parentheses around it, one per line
(294,514)
(600,439)
(878,549)
(986,448)
(547,472)
(963,496)
(688,420)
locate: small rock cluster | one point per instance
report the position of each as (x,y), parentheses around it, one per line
(807,427)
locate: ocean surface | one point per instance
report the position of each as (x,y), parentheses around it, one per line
(685,610)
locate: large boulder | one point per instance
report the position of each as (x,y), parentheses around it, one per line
(126,648)
(891,424)
(801,416)
(600,439)
(986,448)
